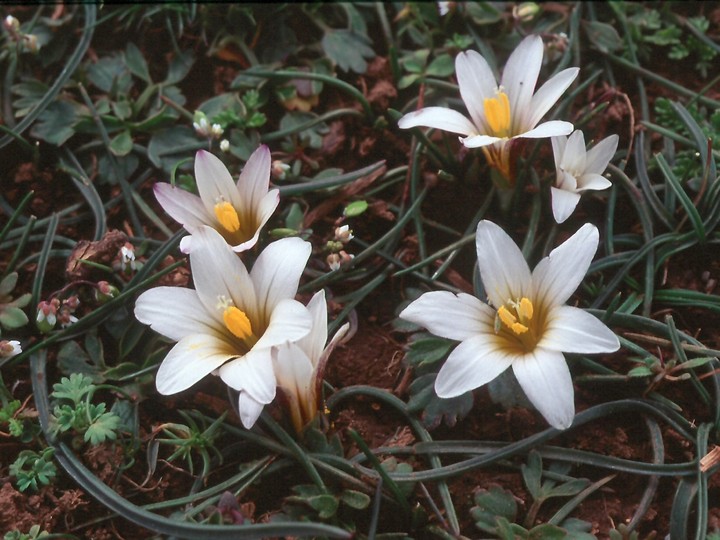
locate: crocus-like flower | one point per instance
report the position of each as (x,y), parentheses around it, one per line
(231,320)
(236,211)
(525,324)
(578,170)
(500,113)
(299,366)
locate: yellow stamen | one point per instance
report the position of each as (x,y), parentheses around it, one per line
(525,309)
(506,317)
(497,113)
(227,216)
(237,322)
(519,328)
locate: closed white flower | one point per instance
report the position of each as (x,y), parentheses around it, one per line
(525,324)
(578,170)
(236,210)
(500,112)
(231,320)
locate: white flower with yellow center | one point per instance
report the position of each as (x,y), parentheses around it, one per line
(231,320)
(524,325)
(501,112)
(299,366)
(236,210)
(578,170)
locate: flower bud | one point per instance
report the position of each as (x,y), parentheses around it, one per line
(105,292)
(127,258)
(9,348)
(47,315)
(224,145)
(279,169)
(343,234)
(11,24)
(525,11)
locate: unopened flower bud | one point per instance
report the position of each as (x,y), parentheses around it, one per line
(333,261)
(105,292)
(72,303)
(525,11)
(66,318)
(279,169)
(201,124)
(9,348)
(224,145)
(216,130)
(47,315)
(127,258)
(11,24)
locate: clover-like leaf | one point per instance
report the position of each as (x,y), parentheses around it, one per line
(348,49)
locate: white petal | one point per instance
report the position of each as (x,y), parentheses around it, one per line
(174,312)
(477,141)
(293,370)
(249,409)
(439,118)
(186,244)
(185,208)
(546,381)
(558,146)
(600,155)
(289,321)
(252,185)
(519,78)
(190,360)
(471,364)
(503,269)
(314,343)
(593,181)
(477,82)
(450,316)
(566,181)
(574,330)
(574,156)
(261,215)
(563,203)
(218,272)
(557,276)
(548,94)
(214,182)
(548,129)
(252,373)
(276,272)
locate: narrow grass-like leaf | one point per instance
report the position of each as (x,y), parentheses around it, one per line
(687,204)
(87,190)
(325,183)
(43,260)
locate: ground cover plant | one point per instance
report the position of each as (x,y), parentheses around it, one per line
(369,270)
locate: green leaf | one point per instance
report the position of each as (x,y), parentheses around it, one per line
(407,80)
(122,109)
(169,146)
(72,359)
(442,66)
(532,474)
(547,532)
(121,144)
(355,208)
(55,124)
(568,489)
(103,428)
(110,74)
(12,317)
(8,284)
(640,371)
(603,36)
(493,504)
(325,505)
(426,349)
(73,388)
(179,67)
(348,49)
(136,63)
(355,499)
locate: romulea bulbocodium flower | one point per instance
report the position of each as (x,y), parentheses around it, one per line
(524,325)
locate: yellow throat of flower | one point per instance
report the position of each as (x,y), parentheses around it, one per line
(227,216)
(237,322)
(518,318)
(497,114)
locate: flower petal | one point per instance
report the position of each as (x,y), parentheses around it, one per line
(563,203)
(503,269)
(174,312)
(438,118)
(558,146)
(289,321)
(600,155)
(548,129)
(477,141)
(314,342)
(593,181)
(557,276)
(574,330)
(190,360)
(254,180)
(276,272)
(546,381)
(574,157)
(450,316)
(293,370)
(185,208)
(249,409)
(477,82)
(252,373)
(218,272)
(261,214)
(548,94)
(214,182)
(473,363)
(519,78)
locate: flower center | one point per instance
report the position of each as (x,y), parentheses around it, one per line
(237,322)
(497,113)
(227,216)
(514,319)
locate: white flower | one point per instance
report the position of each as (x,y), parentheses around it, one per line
(578,170)
(127,258)
(501,112)
(299,366)
(525,325)
(231,320)
(9,348)
(236,211)
(224,145)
